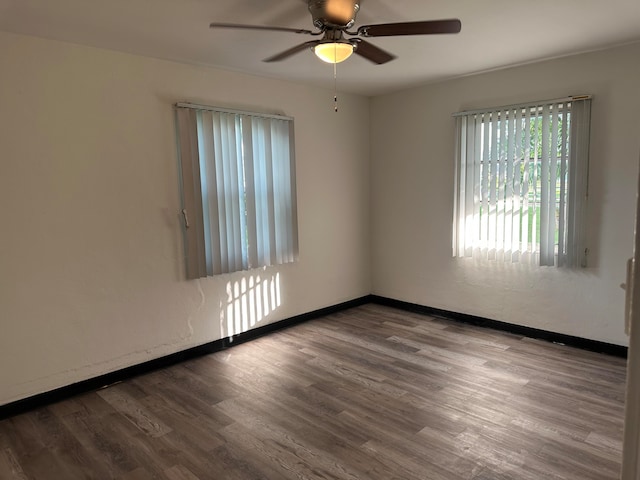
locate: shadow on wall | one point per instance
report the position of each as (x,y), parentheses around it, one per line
(250,301)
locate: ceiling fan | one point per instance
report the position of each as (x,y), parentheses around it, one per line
(334,18)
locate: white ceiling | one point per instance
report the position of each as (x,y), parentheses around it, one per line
(495,33)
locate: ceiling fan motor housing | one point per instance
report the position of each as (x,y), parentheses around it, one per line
(334,13)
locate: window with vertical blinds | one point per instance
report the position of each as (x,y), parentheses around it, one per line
(521,182)
(238,189)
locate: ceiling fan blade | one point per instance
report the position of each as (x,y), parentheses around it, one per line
(371,52)
(428,27)
(292,51)
(262,27)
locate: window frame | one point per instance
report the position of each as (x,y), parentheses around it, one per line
(507,128)
(231,163)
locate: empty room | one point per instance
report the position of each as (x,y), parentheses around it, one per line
(319,239)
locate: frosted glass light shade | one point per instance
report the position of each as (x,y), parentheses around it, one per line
(333,52)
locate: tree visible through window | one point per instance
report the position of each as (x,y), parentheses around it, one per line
(521,182)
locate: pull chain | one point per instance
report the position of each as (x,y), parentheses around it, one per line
(335,83)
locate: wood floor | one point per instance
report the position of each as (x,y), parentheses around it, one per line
(369,393)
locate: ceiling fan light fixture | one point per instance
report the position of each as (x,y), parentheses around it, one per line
(333,52)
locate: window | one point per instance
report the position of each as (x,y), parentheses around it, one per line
(521,182)
(238,189)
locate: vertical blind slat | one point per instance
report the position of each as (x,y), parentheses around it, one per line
(510,147)
(237,212)
(250,193)
(260,191)
(468,209)
(279,130)
(535,192)
(292,225)
(544,189)
(553,184)
(578,173)
(208,177)
(493,198)
(484,233)
(502,178)
(562,217)
(270,196)
(517,215)
(477,179)
(457,231)
(223,186)
(525,183)
(191,193)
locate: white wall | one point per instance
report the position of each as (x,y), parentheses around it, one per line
(412,190)
(91,274)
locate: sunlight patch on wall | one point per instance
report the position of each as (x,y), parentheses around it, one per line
(250,300)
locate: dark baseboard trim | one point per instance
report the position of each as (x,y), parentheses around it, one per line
(95,383)
(53,396)
(578,342)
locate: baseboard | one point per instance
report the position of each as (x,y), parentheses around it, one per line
(578,342)
(52,396)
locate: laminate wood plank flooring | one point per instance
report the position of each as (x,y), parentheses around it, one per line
(368,393)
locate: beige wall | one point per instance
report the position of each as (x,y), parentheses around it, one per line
(412,185)
(91,274)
